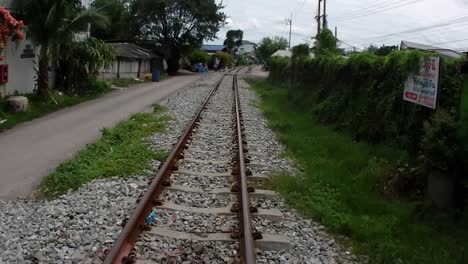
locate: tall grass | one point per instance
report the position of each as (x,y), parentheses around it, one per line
(339,187)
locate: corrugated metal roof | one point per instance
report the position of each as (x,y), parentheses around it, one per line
(131,51)
(443,51)
(212,47)
(282,53)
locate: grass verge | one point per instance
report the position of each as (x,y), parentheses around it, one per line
(338,188)
(124,82)
(121,152)
(40,106)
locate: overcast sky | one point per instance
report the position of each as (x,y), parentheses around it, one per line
(360,22)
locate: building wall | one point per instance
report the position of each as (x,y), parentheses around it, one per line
(246,48)
(20,70)
(128,69)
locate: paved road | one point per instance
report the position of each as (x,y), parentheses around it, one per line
(33,150)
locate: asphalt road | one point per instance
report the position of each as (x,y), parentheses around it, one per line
(33,150)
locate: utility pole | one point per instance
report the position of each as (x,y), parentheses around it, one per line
(324,14)
(336,32)
(319,17)
(290,21)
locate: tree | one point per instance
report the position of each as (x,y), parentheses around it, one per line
(177,25)
(80,65)
(234,39)
(199,56)
(268,46)
(9,28)
(53,23)
(326,43)
(301,50)
(118,12)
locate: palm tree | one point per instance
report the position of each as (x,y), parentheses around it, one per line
(53,23)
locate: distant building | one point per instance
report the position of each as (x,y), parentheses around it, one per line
(282,54)
(213,49)
(130,61)
(287,54)
(246,47)
(407,45)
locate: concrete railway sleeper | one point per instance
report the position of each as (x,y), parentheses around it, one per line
(199,207)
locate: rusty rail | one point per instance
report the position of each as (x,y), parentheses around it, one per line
(247,244)
(130,233)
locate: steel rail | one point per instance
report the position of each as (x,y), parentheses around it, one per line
(247,243)
(124,244)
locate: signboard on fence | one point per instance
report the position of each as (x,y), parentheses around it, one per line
(421,88)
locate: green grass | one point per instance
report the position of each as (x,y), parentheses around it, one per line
(121,152)
(127,82)
(123,82)
(339,188)
(39,106)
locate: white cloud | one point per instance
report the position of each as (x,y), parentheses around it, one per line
(261,18)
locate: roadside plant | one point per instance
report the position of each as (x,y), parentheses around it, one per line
(177,26)
(53,24)
(9,28)
(81,64)
(199,56)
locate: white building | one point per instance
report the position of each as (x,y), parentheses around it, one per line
(20,60)
(130,61)
(246,47)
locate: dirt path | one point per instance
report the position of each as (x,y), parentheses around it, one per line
(33,150)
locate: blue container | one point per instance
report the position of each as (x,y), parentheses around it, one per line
(156,75)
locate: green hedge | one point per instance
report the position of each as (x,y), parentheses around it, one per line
(363,94)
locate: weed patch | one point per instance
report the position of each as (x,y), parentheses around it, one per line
(121,152)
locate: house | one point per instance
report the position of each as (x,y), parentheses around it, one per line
(130,61)
(282,54)
(407,45)
(19,59)
(246,47)
(213,49)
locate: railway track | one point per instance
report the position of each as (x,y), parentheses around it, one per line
(200,206)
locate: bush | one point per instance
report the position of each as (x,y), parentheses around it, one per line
(199,56)
(363,95)
(226,58)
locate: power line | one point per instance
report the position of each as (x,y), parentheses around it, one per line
(371,9)
(373,12)
(449,42)
(419,29)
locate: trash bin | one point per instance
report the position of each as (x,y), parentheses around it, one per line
(156,75)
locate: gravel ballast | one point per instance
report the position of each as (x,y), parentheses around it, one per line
(80,225)
(77,226)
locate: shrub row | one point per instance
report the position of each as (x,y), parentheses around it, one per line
(363,94)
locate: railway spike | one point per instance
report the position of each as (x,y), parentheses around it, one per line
(145,227)
(167,183)
(251,189)
(235,188)
(257,235)
(235,208)
(158,202)
(235,234)
(253,209)
(130,259)
(248,173)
